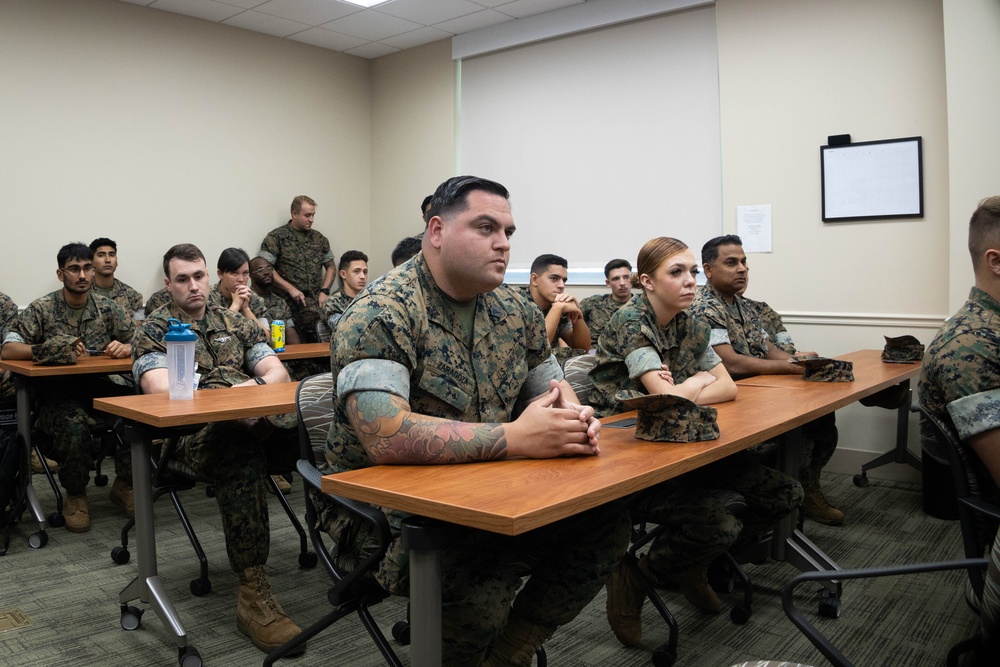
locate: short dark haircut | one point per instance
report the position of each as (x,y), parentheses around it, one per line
(406,248)
(101,242)
(231,259)
(73,251)
(424,204)
(452,196)
(299,201)
(351,256)
(616,264)
(188,252)
(984,229)
(543,261)
(710,251)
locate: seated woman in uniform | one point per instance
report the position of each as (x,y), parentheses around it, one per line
(651,345)
(233,291)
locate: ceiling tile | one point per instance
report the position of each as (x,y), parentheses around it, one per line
(522,8)
(245,4)
(471,22)
(266,23)
(416,37)
(371,25)
(428,12)
(328,39)
(310,12)
(201,9)
(373,50)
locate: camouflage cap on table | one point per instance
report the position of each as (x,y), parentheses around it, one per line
(668,418)
(824,369)
(902,350)
(58,350)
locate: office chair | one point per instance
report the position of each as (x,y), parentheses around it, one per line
(978,518)
(354,587)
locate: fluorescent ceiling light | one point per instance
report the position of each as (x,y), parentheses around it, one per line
(366,3)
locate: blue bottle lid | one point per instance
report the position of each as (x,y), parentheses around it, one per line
(179,332)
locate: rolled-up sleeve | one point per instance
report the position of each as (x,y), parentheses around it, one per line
(976,414)
(374,375)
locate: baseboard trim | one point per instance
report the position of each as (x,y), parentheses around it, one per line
(878,320)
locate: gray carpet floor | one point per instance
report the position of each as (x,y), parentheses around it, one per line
(69,591)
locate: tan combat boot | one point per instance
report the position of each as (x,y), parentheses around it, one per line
(816,507)
(624,604)
(696,589)
(517,643)
(122,495)
(36,464)
(77,513)
(283,484)
(258,614)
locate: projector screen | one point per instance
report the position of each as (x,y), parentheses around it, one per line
(605,139)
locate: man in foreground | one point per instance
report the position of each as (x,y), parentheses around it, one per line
(439,362)
(960,384)
(739,337)
(231,351)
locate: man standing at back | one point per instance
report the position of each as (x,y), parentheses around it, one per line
(563,318)
(303,265)
(105,264)
(740,338)
(960,385)
(598,308)
(439,362)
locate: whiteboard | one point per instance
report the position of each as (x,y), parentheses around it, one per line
(872,179)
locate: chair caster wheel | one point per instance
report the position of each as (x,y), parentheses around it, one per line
(200,587)
(401,632)
(131,617)
(739,615)
(100,480)
(829,607)
(664,657)
(308,560)
(57,520)
(120,555)
(38,540)
(861,480)
(188,657)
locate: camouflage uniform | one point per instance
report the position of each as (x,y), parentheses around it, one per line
(334,308)
(232,456)
(217,298)
(300,258)
(160,297)
(742,326)
(960,384)
(402,335)
(275,308)
(8,312)
(560,352)
(771,322)
(65,403)
(701,526)
(597,310)
(126,297)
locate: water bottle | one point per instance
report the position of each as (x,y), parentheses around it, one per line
(180,342)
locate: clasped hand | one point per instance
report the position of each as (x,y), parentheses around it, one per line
(551,426)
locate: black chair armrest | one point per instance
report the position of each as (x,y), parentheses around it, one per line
(982,506)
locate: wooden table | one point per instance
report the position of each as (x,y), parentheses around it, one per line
(512,497)
(149,415)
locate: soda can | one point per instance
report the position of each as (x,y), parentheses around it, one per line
(278,335)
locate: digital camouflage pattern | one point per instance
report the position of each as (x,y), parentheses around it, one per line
(597,310)
(669,418)
(160,297)
(903,349)
(404,318)
(334,308)
(830,370)
(701,526)
(275,308)
(65,403)
(633,344)
(257,305)
(8,311)
(126,297)
(231,455)
(960,384)
(300,258)
(771,322)
(559,351)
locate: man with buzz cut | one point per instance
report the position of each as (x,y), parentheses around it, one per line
(739,336)
(304,267)
(598,308)
(231,351)
(58,328)
(440,362)
(565,327)
(353,272)
(105,264)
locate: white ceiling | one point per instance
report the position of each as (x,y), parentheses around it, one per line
(388,27)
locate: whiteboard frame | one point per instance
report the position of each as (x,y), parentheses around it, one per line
(839,166)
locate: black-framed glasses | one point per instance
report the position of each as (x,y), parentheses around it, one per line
(263,271)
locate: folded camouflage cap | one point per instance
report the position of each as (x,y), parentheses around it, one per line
(59,350)
(668,418)
(902,350)
(824,369)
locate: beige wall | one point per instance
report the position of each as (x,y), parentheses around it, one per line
(154,128)
(413,141)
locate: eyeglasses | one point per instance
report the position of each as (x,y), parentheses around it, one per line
(76,269)
(263,271)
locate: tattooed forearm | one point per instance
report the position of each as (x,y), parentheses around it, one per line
(392,434)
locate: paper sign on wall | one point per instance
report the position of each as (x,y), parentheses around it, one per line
(753,224)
